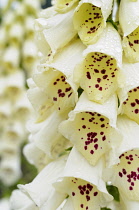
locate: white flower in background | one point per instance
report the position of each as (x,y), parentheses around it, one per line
(4,204)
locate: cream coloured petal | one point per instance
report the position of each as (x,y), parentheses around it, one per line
(41,189)
(128,16)
(40,102)
(68,205)
(19,201)
(46,136)
(128,93)
(64,5)
(35,156)
(51,39)
(91,127)
(4,204)
(129,131)
(131,46)
(47,13)
(90,19)
(128,204)
(79,179)
(98,72)
(57,81)
(125,174)
(29,26)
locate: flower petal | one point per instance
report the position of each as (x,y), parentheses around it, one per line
(128,94)
(83,183)
(97,74)
(43,182)
(64,5)
(90,19)
(90,127)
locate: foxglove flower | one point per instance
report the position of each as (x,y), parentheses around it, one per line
(90,19)
(99,70)
(91,127)
(129,91)
(129,21)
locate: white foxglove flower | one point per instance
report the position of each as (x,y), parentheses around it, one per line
(49,140)
(39,100)
(56,35)
(5,112)
(57,80)
(43,183)
(3,37)
(11,58)
(16,33)
(98,72)
(35,156)
(91,127)
(83,183)
(128,94)
(20,201)
(10,170)
(90,19)
(8,19)
(129,132)
(29,26)
(129,21)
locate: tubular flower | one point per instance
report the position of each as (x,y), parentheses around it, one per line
(83,183)
(56,79)
(129,21)
(128,94)
(90,127)
(54,32)
(90,19)
(98,72)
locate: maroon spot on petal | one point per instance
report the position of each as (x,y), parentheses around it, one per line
(81,205)
(136,111)
(92,152)
(73,193)
(54,99)
(130,188)
(84,126)
(133,104)
(95,193)
(120,174)
(96,146)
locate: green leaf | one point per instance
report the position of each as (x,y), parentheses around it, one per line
(114,192)
(105,208)
(69,149)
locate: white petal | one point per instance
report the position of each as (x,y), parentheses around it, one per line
(68,205)
(35,156)
(128,204)
(128,16)
(90,127)
(46,136)
(19,201)
(88,29)
(16,33)
(84,174)
(57,36)
(4,204)
(64,5)
(41,189)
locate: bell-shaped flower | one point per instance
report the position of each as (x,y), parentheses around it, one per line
(46,136)
(39,100)
(90,19)
(14,85)
(5,112)
(54,32)
(124,170)
(32,7)
(20,201)
(11,58)
(16,33)
(63,6)
(99,70)
(35,156)
(29,27)
(83,183)
(40,190)
(10,170)
(56,78)
(91,127)
(129,91)
(129,22)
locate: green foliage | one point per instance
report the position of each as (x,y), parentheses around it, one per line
(80,90)
(105,208)
(114,192)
